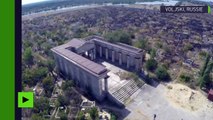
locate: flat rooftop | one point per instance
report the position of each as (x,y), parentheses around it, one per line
(121,46)
(85,63)
(65,51)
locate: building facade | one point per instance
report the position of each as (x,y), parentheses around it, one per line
(77,61)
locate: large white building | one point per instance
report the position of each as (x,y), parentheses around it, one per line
(77,61)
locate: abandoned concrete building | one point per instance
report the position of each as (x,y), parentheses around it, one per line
(77,61)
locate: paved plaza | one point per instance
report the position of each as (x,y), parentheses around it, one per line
(150,101)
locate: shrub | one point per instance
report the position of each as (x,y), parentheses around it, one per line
(185,78)
(119,36)
(151,64)
(162,74)
(80,116)
(94,113)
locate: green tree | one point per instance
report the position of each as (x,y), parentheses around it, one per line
(188,47)
(48,85)
(151,64)
(46,47)
(26,44)
(31,76)
(63,116)
(141,43)
(41,105)
(167,49)
(206,79)
(63,101)
(80,116)
(50,65)
(162,74)
(185,78)
(94,113)
(203,53)
(153,53)
(27,77)
(39,73)
(205,64)
(27,56)
(113,117)
(67,85)
(37,117)
(119,36)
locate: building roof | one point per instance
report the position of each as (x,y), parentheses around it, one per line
(123,47)
(80,60)
(65,51)
(76,43)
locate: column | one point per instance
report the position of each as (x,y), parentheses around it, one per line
(91,54)
(106,53)
(61,65)
(57,62)
(113,56)
(137,64)
(127,61)
(100,51)
(106,84)
(66,67)
(103,84)
(140,62)
(71,70)
(78,76)
(94,53)
(100,87)
(120,58)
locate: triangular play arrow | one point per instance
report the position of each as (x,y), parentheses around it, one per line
(24,99)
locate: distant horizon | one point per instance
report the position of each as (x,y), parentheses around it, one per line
(25,2)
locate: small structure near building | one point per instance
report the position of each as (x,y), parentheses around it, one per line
(188,62)
(86,104)
(210,95)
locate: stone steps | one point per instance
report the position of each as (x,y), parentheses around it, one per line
(126,91)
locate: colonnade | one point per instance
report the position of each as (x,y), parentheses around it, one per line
(137,60)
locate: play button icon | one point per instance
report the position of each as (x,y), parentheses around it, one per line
(25,99)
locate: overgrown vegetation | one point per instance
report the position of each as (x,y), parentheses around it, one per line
(31,76)
(162,74)
(151,64)
(188,47)
(63,116)
(27,56)
(113,117)
(41,106)
(93,112)
(185,78)
(142,44)
(80,116)
(119,36)
(43,33)
(205,78)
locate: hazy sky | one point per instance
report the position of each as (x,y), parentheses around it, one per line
(30,1)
